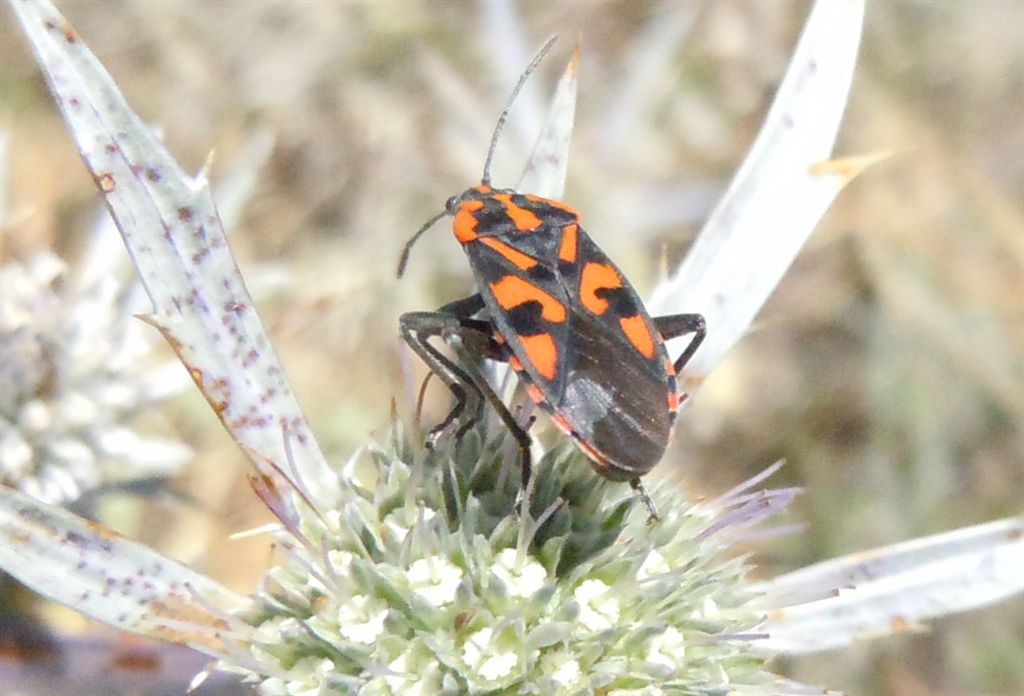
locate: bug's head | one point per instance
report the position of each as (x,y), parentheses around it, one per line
(452,205)
(462,203)
(480,192)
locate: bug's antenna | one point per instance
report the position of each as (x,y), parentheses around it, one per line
(404,258)
(486,179)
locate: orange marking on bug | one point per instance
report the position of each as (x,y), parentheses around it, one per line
(465,222)
(600,461)
(670,368)
(542,353)
(511,254)
(533,198)
(673,401)
(512,291)
(561,423)
(567,247)
(524,220)
(597,276)
(515,364)
(482,188)
(638,334)
(535,394)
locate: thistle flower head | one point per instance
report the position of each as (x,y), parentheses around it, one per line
(427,581)
(76,369)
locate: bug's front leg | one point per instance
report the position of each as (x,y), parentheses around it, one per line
(417,329)
(466,384)
(674,325)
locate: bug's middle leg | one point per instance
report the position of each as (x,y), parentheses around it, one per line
(674,325)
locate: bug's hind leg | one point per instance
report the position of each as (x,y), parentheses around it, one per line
(674,325)
(652,511)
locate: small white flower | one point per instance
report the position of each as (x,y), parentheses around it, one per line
(598,611)
(654,564)
(409,674)
(667,649)
(498,665)
(436,580)
(708,610)
(396,529)
(270,630)
(520,580)
(361,620)
(564,670)
(472,650)
(489,662)
(273,686)
(308,677)
(333,520)
(399,681)
(645,691)
(340,561)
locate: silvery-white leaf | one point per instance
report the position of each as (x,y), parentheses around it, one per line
(103,575)
(892,589)
(778,195)
(170,225)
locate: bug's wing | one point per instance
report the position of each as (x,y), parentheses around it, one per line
(580,334)
(527,304)
(618,384)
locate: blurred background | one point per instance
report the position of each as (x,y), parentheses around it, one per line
(887,369)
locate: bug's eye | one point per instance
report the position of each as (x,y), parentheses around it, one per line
(452,205)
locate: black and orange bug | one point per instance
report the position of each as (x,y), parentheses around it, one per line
(554,306)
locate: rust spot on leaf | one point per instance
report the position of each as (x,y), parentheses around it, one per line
(153,174)
(69,32)
(20,537)
(184,213)
(106,182)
